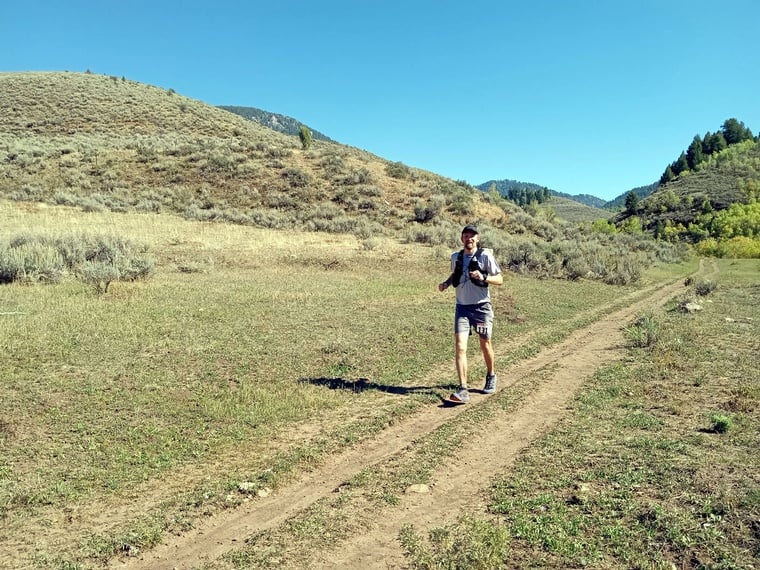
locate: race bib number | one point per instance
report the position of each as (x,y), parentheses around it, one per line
(483,329)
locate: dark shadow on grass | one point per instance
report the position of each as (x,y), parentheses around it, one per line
(363,384)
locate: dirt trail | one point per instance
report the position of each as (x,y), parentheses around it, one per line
(456,489)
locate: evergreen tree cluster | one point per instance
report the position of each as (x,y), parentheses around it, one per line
(732,132)
(522,196)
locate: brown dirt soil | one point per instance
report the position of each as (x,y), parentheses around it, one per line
(455,490)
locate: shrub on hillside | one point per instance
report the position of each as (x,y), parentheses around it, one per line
(522,255)
(427,210)
(462,203)
(398,170)
(333,164)
(296,177)
(577,267)
(268,218)
(443,232)
(624,271)
(358,176)
(370,190)
(577,258)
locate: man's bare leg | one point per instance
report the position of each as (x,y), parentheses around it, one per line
(487,349)
(461,357)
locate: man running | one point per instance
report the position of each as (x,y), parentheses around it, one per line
(473,270)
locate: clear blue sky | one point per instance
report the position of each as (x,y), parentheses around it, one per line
(582,96)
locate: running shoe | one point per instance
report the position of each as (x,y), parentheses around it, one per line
(490,386)
(461,396)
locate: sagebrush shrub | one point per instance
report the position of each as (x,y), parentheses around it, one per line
(296,177)
(704,288)
(27,260)
(427,210)
(397,170)
(576,267)
(645,331)
(92,259)
(99,274)
(439,233)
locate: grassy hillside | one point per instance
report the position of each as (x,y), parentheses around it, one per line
(574,211)
(105,142)
(586,199)
(731,176)
(102,143)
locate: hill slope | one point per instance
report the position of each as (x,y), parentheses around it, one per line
(732,176)
(640,191)
(102,142)
(574,211)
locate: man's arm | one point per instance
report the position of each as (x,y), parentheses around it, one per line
(497,279)
(482,275)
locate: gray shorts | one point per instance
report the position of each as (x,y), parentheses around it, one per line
(478,316)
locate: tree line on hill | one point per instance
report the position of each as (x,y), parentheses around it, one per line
(524,196)
(521,193)
(732,132)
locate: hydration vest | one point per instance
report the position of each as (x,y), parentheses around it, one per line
(473,266)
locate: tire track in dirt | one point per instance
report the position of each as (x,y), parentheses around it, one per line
(458,487)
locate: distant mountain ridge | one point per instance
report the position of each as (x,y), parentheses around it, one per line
(275,121)
(504,186)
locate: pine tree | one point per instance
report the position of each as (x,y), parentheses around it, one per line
(305,136)
(714,143)
(631,202)
(694,154)
(735,132)
(680,165)
(667,176)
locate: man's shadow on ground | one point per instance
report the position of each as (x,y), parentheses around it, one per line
(364,384)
